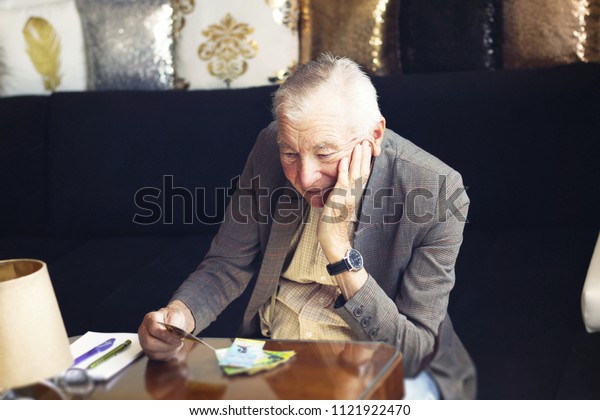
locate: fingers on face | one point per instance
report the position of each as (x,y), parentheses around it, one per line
(367,153)
(343,169)
(360,166)
(355,164)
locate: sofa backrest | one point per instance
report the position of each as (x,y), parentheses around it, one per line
(22,165)
(141,162)
(103,163)
(527,142)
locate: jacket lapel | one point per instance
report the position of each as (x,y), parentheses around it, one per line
(373,203)
(287,217)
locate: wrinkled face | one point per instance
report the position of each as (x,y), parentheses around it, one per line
(310,150)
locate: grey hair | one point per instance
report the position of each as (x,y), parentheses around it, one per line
(340,79)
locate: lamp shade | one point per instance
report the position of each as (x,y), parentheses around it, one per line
(33,340)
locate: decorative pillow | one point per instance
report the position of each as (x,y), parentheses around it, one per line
(363,30)
(1,71)
(129,44)
(236,43)
(12,4)
(43,49)
(540,33)
(450,35)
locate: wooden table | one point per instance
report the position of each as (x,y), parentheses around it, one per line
(320,370)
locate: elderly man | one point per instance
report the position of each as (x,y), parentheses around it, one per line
(352,231)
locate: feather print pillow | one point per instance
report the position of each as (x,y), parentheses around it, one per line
(42,49)
(1,70)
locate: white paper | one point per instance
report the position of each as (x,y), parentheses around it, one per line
(115,364)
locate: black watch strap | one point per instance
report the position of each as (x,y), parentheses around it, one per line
(338,267)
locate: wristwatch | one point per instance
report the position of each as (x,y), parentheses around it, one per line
(352,261)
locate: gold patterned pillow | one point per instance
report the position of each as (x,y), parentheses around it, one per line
(539,33)
(43,49)
(235,44)
(363,30)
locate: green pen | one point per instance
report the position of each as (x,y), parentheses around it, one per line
(110,354)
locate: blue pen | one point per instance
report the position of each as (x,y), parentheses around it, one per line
(99,348)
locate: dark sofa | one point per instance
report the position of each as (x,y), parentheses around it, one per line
(121,192)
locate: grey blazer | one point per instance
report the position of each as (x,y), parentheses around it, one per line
(409,232)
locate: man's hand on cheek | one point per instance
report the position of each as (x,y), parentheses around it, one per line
(334,228)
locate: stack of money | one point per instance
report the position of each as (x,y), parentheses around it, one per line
(248,357)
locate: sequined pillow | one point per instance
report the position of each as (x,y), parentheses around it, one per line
(450,35)
(235,43)
(129,44)
(541,33)
(364,30)
(42,49)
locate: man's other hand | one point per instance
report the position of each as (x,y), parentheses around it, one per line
(158,342)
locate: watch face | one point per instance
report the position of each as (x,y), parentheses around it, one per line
(355,260)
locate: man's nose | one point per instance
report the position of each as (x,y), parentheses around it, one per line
(309,173)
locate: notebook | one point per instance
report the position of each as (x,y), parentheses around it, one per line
(110,367)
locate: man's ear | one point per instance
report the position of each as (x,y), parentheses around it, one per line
(377,136)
